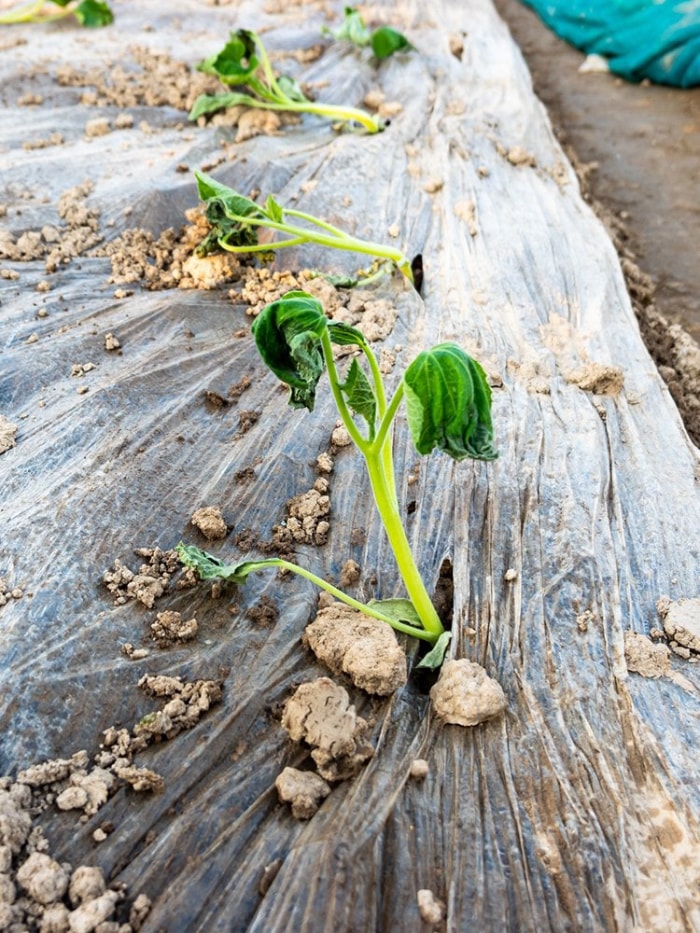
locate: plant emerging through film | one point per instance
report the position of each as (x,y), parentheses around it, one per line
(243,63)
(89,13)
(235,221)
(448,407)
(383,41)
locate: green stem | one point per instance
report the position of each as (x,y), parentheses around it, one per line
(334,241)
(348,600)
(22,14)
(343,410)
(393,526)
(385,493)
(384,448)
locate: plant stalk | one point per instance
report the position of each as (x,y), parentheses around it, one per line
(385,495)
(403,627)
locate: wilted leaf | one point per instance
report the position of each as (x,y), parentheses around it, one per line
(208,567)
(401,610)
(237,62)
(288,337)
(434,658)
(448,404)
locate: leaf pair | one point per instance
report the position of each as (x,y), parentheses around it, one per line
(227,213)
(448,399)
(384,41)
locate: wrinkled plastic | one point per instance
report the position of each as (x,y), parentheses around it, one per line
(537,820)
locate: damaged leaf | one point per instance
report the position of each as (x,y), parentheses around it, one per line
(244,63)
(448,404)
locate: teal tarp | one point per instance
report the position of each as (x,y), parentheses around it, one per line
(655,39)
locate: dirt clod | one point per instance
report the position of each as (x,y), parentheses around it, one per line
(350,573)
(419,769)
(169,628)
(303,789)
(320,714)
(8,430)
(43,878)
(210,522)
(646,658)
(365,649)
(465,695)
(681,620)
(306,521)
(430,908)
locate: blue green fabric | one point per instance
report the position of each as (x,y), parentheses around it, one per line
(655,39)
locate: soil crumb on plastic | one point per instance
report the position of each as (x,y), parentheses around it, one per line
(148,583)
(681,618)
(465,695)
(419,769)
(158,81)
(430,908)
(210,522)
(78,232)
(366,649)
(307,518)
(39,893)
(596,378)
(320,714)
(646,658)
(304,790)
(170,628)
(169,260)
(350,573)
(8,430)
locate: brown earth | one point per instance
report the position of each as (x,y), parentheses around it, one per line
(645,140)
(636,149)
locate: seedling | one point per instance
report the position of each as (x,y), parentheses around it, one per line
(244,63)
(448,407)
(90,13)
(384,40)
(235,221)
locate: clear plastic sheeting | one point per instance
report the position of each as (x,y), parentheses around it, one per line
(576,809)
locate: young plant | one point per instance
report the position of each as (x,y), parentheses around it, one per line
(384,40)
(235,221)
(244,63)
(89,13)
(448,407)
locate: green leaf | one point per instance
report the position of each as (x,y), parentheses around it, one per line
(448,404)
(385,41)
(345,335)
(436,655)
(237,62)
(210,103)
(226,212)
(401,610)
(288,337)
(353,28)
(273,210)
(360,396)
(209,567)
(291,90)
(93,13)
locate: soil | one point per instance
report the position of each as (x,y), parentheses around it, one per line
(38,892)
(636,147)
(465,695)
(320,714)
(365,649)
